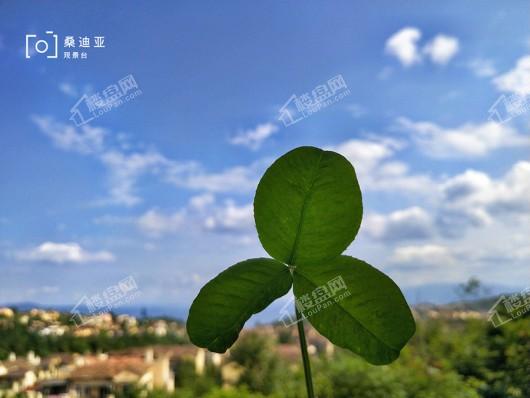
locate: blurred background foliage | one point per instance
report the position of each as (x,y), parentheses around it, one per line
(446,359)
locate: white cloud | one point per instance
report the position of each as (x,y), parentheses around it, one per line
(475,190)
(465,185)
(413,223)
(375,169)
(108,219)
(482,67)
(442,49)
(235,179)
(86,140)
(231,218)
(423,255)
(155,223)
(468,140)
(356,110)
(202,202)
(70,252)
(202,211)
(469,200)
(385,73)
(473,199)
(365,155)
(516,80)
(513,192)
(461,213)
(404,46)
(69,89)
(472,219)
(457,212)
(42,290)
(254,138)
(125,170)
(396,177)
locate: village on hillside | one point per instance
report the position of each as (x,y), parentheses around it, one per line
(156,366)
(99,374)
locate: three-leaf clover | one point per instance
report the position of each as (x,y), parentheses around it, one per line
(307,209)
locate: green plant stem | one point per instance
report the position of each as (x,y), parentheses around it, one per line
(305,355)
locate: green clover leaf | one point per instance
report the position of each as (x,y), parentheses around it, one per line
(308,209)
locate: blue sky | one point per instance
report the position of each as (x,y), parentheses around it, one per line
(161,186)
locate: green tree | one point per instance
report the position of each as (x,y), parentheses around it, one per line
(256,353)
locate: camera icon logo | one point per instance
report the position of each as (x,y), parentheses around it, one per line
(48,45)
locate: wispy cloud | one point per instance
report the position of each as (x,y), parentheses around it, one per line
(516,80)
(125,168)
(202,213)
(236,179)
(231,218)
(69,89)
(377,169)
(466,141)
(124,172)
(254,138)
(202,202)
(155,223)
(424,255)
(85,140)
(70,252)
(482,67)
(356,110)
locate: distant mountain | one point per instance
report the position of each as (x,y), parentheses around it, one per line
(28,305)
(155,311)
(445,293)
(481,305)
